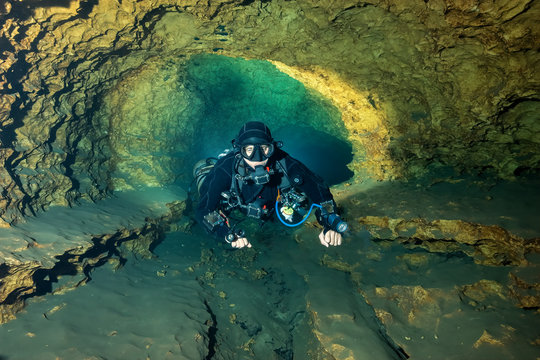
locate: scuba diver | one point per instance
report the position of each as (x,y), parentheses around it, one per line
(258,178)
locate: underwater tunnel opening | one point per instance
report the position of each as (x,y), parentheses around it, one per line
(170,113)
(325,155)
(232,91)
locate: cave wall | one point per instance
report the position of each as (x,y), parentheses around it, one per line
(150,119)
(429,84)
(171,112)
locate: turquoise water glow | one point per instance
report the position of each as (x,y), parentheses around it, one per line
(234,91)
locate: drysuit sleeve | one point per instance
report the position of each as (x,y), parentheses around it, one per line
(307,181)
(217,181)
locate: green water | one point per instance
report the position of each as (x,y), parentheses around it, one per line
(235,90)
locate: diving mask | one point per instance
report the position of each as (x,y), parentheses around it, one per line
(257,152)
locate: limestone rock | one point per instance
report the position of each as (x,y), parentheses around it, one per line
(485,294)
(527,295)
(145,136)
(35,256)
(489,245)
(30,279)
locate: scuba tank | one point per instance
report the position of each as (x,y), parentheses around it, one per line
(201,169)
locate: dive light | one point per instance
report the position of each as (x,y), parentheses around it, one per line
(335,222)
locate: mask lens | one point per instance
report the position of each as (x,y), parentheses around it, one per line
(266,150)
(247,151)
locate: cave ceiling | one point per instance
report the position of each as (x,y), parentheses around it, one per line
(420,85)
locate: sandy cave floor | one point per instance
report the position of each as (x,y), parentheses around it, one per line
(287,298)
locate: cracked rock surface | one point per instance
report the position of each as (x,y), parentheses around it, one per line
(74,241)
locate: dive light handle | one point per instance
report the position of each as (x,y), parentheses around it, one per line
(335,223)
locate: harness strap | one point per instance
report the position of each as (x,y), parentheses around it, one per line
(285,182)
(236,185)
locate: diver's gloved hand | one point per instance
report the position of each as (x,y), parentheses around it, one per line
(333,228)
(330,237)
(240,243)
(237,239)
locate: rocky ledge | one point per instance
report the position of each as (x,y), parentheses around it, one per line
(72,241)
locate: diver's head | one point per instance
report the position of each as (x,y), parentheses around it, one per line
(255,143)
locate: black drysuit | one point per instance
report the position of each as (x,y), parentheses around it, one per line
(219,179)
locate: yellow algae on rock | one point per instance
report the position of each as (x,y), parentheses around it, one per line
(487,244)
(330,344)
(482,289)
(56,308)
(527,295)
(259,274)
(383,315)
(418,306)
(415,260)
(337,264)
(488,339)
(365,123)
(19,279)
(340,352)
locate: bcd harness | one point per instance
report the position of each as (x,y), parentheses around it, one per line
(255,207)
